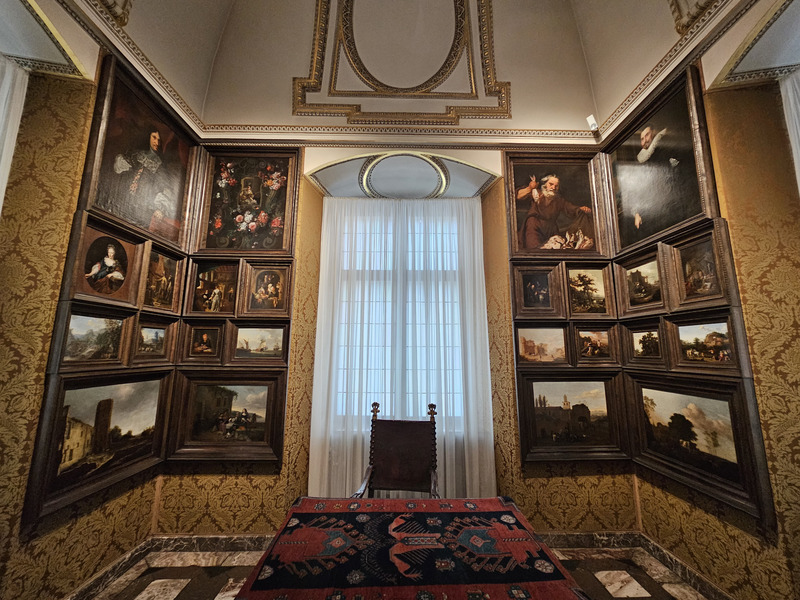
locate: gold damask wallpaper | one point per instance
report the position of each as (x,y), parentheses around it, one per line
(37,214)
(759,198)
(557,497)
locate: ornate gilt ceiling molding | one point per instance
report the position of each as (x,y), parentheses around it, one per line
(686,12)
(451,115)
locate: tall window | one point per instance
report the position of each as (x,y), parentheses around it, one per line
(402,321)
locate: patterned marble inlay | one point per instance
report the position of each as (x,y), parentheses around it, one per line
(163,589)
(621,585)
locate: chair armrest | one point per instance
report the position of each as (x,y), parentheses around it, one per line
(364,483)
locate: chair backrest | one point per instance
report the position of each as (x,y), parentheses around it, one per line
(402,454)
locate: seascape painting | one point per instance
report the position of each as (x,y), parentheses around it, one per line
(259,342)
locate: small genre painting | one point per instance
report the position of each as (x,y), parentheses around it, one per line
(587,293)
(571,413)
(248,203)
(535,290)
(268,291)
(215,288)
(645,344)
(105,427)
(259,342)
(656,174)
(542,345)
(161,277)
(593,344)
(693,430)
(553,206)
(151,341)
(699,270)
(707,343)
(105,266)
(644,284)
(92,338)
(205,342)
(143,167)
(230,413)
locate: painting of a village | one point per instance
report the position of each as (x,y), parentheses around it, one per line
(229,413)
(545,345)
(691,429)
(105,427)
(571,413)
(587,292)
(705,343)
(91,338)
(260,342)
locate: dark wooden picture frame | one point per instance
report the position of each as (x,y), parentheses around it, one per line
(595,343)
(161,281)
(266,289)
(97,337)
(661,170)
(248,202)
(539,291)
(571,416)
(698,343)
(716,420)
(108,266)
(644,344)
(202,341)
(94,433)
(213,288)
(203,427)
(642,283)
(572,223)
(257,343)
(139,158)
(154,341)
(583,291)
(542,346)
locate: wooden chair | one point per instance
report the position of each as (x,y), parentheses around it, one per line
(402,456)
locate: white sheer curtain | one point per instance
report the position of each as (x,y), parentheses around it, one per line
(790,91)
(13,85)
(402,321)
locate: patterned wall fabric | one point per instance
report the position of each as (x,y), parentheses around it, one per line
(242,500)
(759,198)
(37,214)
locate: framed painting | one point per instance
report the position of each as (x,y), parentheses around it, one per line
(203,341)
(267,289)
(643,343)
(154,341)
(214,288)
(96,430)
(568,418)
(542,346)
(96,339)
(590,291)
(107,268)
(697,432)
(248,204)
(553,205)
(258,343)
(700,269)
(538,291)
(641,285)
(703,342)
(162,280)
(596,344)
(661,175)
(231,416)
(141,158)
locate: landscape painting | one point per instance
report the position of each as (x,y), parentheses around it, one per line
(571,413)
(587,293)
(691,429)
(151,341)
(646,344)
(233,414)
(706,343)
(593,344)
(541,345)
(644,284)
(105,427)
(93,338)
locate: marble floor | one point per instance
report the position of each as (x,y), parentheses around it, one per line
(192,569)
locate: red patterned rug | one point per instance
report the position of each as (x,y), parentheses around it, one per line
(373,549)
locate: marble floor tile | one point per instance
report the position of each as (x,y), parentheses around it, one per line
(186,559)
(620,584)
(653,567)
(163,589)
(121,582)
(682,591)
(231,589)
(243,559)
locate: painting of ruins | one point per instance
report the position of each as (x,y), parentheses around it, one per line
(541,345)
(571,413)
(706,343)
